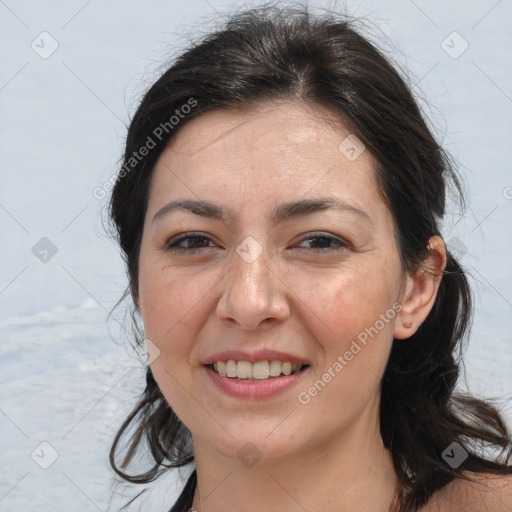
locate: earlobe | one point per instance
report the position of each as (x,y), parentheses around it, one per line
(404,326)
(421,290)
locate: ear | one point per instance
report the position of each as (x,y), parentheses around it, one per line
(421,290)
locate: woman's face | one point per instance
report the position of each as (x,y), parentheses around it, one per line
(269,281)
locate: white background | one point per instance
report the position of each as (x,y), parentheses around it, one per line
(68,376)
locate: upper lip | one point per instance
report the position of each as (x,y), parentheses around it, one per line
(254,357)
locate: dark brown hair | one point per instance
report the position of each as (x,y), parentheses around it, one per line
(272,53)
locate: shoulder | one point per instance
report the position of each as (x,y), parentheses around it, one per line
(485,493)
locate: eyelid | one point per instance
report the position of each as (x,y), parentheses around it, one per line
(172,241)
(171,244)
(343,243)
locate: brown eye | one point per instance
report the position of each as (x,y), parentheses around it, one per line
(323,243)
(193,243)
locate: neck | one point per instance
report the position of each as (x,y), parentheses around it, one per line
(355,473)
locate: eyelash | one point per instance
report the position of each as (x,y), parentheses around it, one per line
(173,245)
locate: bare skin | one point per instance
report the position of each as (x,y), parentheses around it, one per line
(488,493)
(326,454)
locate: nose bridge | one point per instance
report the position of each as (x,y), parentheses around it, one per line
(252,292)
(250,270)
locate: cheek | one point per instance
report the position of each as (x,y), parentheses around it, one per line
(354,330)
(346,301)
(351,316)
(172,300)
(174,308)
(176,303)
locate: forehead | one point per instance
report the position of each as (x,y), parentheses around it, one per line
(279,150)
(285,127)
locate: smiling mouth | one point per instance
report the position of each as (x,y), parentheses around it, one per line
(259,371)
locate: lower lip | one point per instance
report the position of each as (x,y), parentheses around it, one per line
(253,388)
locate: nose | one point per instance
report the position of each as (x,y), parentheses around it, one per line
(253,294)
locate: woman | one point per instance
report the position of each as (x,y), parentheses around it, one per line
(278,208)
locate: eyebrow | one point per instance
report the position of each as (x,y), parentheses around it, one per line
(280,213)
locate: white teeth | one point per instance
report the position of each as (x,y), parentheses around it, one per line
(221,368)
(260,370)
(244,370)
(231,368)
(275,368)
